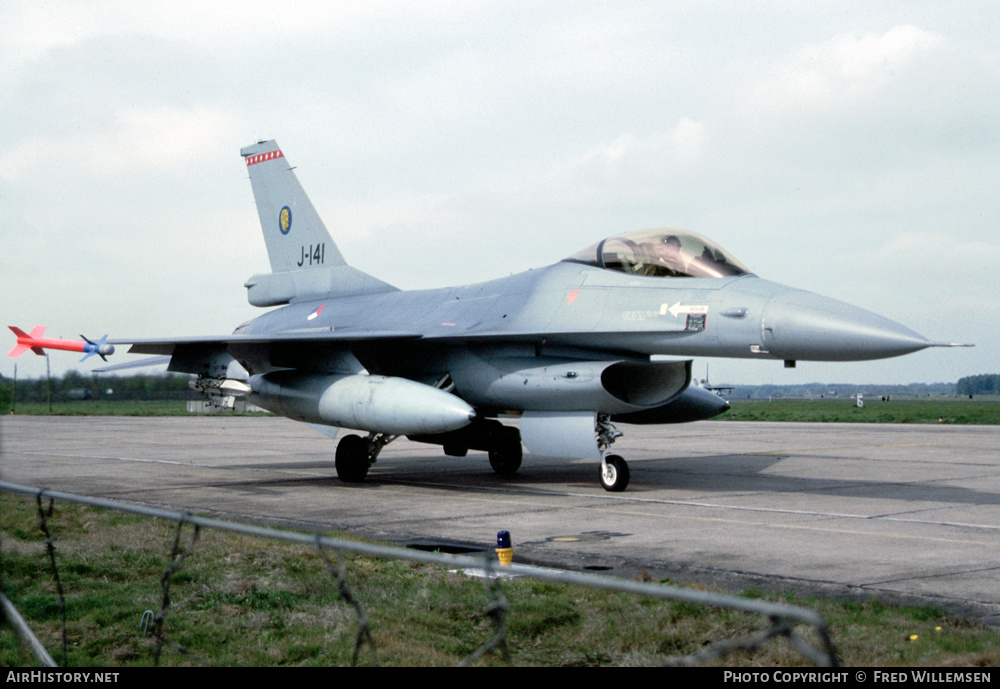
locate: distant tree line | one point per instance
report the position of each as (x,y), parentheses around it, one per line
(983,384)
(840,390)
(173,386)
(74,385)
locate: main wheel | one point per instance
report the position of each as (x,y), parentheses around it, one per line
(506,459)
(352,459)
(614,474)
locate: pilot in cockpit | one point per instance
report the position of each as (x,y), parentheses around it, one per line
(663,257)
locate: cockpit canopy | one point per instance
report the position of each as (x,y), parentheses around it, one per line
(661,252)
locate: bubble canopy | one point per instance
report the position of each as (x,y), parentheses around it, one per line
(661,252)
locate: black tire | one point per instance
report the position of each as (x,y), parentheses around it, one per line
(352,459)
(506,459)
(617,477)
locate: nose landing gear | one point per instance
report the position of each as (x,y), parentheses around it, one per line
(614,470)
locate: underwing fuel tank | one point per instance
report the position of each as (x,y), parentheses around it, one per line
(383,404)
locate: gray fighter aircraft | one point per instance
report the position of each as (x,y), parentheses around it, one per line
(564,351)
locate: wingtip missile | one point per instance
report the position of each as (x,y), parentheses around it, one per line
(35,342)
(101,348)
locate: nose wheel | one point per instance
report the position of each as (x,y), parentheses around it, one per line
(614,469)
(614,474)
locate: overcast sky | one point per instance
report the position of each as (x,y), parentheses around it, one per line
(847,148)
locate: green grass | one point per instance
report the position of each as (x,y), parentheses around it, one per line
(922,410)
(107,408)
(250,602)
(931,410)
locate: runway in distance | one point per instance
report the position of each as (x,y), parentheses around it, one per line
(566,350)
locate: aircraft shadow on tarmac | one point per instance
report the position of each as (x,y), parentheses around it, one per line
(705,474)
(717,474)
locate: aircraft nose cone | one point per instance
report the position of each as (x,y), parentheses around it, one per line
(801,325)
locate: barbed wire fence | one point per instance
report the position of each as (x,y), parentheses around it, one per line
(780,621)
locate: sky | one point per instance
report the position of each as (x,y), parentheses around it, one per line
(848,148)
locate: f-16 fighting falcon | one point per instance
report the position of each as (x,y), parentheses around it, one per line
(552,358)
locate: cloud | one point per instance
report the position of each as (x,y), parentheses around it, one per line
(631,156)
(841,73)
(446,142)
(915,255)
(138,138)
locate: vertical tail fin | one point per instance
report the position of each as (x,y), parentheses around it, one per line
(296,238)
(305,262)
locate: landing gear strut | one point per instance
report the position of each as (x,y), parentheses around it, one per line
(614,470)
(355,455)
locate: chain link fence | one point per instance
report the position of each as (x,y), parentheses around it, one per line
(779,621)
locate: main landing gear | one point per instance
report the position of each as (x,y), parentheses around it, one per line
(505,457)
(614,470)
(355,455)
(502,443)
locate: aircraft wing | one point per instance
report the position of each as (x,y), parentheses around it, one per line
(323,349)
(324,336)
(318,349)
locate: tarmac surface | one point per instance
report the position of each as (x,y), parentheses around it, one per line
(904,513)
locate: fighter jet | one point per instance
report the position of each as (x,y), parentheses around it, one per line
(552,358)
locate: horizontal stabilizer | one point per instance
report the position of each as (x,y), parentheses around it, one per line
(142,363)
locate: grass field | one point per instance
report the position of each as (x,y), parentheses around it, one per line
(924,410)
(242,601)
(105,408)
(921,410)
(239,601)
